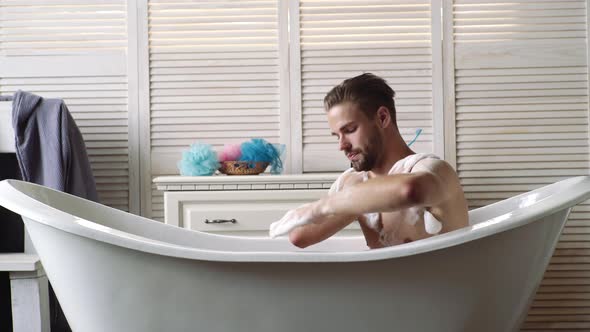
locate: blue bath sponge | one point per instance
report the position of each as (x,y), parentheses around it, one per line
(259,149)
(200,159)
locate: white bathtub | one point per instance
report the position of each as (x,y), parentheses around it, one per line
(113,271)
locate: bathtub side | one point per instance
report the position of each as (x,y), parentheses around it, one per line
(138,233)
(33,201)
(482,285)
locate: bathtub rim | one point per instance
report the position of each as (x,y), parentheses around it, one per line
(30,208)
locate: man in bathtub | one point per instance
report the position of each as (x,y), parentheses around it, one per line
(396,195)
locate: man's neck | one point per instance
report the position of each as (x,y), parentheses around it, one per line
(392,153)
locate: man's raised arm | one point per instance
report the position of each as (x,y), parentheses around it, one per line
(323,218)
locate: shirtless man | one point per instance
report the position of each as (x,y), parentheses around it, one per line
(390,189)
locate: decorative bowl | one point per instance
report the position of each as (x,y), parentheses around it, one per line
(243,167)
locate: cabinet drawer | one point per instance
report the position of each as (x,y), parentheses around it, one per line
(252,211)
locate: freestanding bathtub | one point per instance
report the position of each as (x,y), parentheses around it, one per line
(114,271)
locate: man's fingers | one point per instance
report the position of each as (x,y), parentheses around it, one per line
(276,228)
(286,224)
(280,230)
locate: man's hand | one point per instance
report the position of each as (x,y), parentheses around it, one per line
(303,215)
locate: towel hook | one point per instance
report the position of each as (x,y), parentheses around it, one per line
(5,98)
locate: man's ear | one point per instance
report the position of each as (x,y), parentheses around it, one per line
(383,116)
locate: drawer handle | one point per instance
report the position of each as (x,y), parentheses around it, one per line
(220,221)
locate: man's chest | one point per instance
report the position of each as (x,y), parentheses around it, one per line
(401,226)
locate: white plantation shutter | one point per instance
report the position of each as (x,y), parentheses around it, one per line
(342,39)
(521,95)
(75,50)
(214,78)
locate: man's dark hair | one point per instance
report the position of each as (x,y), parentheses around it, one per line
(368,91)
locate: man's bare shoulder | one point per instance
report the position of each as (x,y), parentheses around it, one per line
(453,209)
(439,167)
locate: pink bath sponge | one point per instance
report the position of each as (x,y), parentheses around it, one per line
(230,152)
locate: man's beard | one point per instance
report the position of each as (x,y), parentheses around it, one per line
(368,155)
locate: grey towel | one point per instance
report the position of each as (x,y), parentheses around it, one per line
(49,146)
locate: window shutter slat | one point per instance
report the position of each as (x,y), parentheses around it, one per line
(389,39)
(214,78)
(521,89)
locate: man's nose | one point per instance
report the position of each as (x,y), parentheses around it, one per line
(344,144)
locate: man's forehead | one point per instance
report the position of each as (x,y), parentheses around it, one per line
(345,112)
(342,114)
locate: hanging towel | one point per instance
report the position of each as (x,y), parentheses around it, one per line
(49,146)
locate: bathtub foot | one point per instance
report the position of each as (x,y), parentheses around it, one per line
(29,290)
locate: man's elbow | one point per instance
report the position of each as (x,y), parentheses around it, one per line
(299,239)
(420,190)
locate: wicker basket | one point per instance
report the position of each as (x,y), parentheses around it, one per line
(242,167)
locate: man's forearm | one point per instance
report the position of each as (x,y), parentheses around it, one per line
(307,235)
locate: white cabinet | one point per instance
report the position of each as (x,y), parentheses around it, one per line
(239,205)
